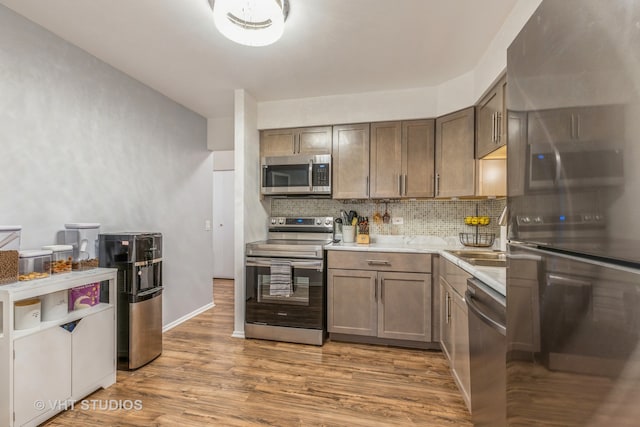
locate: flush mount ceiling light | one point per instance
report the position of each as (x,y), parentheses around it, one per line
(250,22)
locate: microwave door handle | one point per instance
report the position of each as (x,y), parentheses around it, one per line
(558,167)
(311,175)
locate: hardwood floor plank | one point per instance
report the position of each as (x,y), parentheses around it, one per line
(204,377)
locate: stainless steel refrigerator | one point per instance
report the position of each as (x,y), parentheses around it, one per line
(573,277)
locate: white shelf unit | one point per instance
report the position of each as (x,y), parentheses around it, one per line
(46,366)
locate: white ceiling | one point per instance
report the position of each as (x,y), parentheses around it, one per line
(330,47)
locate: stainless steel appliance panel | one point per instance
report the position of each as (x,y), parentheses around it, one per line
(573,104)
(145,338)
(573,345)
(487,352)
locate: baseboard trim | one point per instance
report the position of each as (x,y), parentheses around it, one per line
(238,334)
(187,317)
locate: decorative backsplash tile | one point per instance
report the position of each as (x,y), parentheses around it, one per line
(442,218)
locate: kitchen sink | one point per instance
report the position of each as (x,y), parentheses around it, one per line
(482,258)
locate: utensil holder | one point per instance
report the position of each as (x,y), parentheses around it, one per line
(348,233)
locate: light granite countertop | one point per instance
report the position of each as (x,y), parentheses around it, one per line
(494,277)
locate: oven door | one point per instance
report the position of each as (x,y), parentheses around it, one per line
(302,308)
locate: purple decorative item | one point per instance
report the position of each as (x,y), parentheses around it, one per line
(84,296)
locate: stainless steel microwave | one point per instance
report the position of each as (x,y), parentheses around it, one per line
(574,164)
(295,175)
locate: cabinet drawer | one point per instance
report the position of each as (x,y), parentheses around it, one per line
(454,276)
(380,261)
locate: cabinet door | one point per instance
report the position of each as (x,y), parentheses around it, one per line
(418,150)
(316,140)
(460,359)
(277,142)
(446,324)
(351,161)
(490,121)
(517,149)
(455,160)
(404,306)
(351,302)
(594,123)
(550,126)
(386,159)
(93,352)
(41,372)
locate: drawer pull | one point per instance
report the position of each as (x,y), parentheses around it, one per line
(377,262)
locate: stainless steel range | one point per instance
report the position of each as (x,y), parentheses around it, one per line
(286,281)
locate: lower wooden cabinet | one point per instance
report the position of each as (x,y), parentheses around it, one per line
(404,306)
(351,302)
(377,303)
(454,327)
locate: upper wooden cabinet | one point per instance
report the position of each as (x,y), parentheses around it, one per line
(402,158)
(454,154)
(418,155)
(285,142)
(386,159)
(351,161)
(594,123)
(491,123)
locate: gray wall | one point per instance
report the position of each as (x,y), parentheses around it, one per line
(83,142)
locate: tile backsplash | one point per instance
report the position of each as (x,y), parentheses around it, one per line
(442,218)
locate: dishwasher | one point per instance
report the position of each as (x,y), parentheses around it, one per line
(487,352)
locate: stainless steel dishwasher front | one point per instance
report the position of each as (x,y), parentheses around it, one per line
(487,350)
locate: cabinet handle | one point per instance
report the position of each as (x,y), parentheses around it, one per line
(299,144)
(575,126)
(498,128)
(381,290)
(437,184)
(493,127)
(367,186)
(400,184)
(293,144)
(404,184)
(375,289)
(378,262)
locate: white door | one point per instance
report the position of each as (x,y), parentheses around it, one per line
(223,214)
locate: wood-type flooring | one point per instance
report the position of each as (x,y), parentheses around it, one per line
(204,377)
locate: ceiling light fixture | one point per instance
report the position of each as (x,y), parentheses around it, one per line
(250,22)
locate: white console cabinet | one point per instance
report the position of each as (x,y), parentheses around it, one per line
(45,367)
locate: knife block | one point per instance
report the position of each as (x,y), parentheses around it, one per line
(362,239)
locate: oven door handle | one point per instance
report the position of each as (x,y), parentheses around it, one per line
(267,262)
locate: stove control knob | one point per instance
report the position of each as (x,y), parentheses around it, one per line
(318,221)
(327,221)
(273,221)
(281,221)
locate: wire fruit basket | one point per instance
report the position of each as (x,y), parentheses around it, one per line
(477,239)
